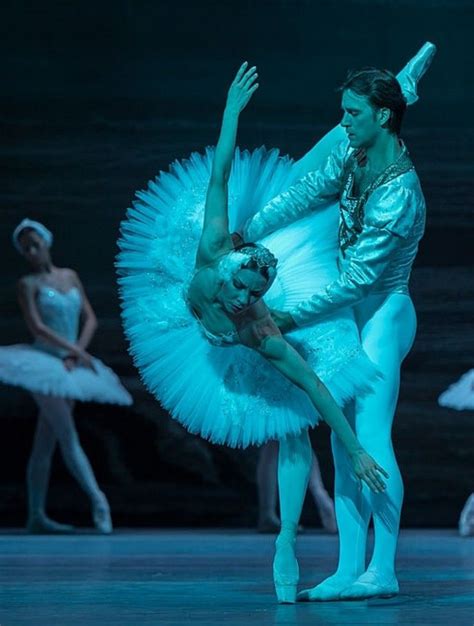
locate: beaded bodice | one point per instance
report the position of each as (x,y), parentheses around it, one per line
(60,312)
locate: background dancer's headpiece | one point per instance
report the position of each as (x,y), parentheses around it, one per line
(42,231)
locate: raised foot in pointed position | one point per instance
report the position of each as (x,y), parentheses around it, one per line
(285,565)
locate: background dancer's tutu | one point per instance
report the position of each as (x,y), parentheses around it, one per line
(39,368)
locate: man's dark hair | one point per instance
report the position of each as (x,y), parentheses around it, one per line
(382,90)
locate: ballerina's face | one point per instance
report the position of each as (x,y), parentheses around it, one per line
(241,289)
(33,247)
(361,121)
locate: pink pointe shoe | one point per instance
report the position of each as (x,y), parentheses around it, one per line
(285,565)
(414,71)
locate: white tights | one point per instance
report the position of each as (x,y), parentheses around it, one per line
(56,425)
(267,481)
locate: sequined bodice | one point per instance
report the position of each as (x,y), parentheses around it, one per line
(60,312)
(225,339)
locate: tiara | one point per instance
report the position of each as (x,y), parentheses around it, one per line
(259,254)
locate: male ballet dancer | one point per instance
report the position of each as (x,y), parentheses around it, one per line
(382,218)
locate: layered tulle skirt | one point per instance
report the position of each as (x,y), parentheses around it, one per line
(459,395)
(230,395)
(38,371)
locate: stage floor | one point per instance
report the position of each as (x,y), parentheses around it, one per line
(199,577)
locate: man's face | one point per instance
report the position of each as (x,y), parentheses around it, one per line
(361,121)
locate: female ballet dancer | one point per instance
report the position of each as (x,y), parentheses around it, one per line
(188,292)
(57,370)
(460,396)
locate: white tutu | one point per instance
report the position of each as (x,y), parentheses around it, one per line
(22,365)
(39,368)
(459,395)
(230,395)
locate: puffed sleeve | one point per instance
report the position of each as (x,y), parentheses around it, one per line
(390,214)
(312,191)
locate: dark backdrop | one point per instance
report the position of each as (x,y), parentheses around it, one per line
(97,97)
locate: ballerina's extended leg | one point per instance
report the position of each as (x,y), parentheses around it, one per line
(408,78)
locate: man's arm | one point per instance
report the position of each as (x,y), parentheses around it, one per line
(315,189)
(389,216)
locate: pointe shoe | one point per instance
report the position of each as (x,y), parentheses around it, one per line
(285,567)
(101,517)
(414,71)
(466,520)
(43,525)
(371,585)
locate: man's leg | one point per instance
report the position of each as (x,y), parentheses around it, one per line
(387,335)
(352,514)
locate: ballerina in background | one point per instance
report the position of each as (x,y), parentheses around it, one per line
(460,396)
(57,370)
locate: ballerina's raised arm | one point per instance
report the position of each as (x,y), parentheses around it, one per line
(215,238)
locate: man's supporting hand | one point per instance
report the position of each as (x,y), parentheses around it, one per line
(283,320)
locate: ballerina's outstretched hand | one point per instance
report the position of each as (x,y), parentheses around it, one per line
(215,238)
(242,88)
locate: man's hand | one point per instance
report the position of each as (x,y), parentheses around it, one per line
(283,320)
(237,239)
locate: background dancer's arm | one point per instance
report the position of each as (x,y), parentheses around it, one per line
(389,216)
(26,299)
(287,360)
(311,192)
(88,317)
(215,239)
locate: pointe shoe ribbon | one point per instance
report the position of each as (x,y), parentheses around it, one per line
(414,70)
(371,585)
